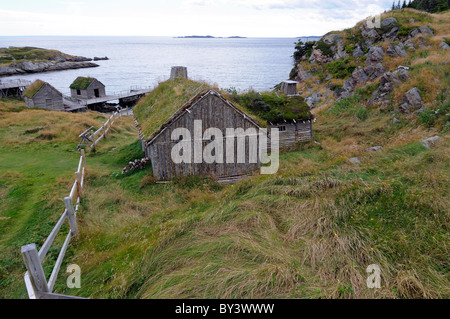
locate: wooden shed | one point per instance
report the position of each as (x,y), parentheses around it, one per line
(87,88)
(292,132)
(182,103)
(42,95)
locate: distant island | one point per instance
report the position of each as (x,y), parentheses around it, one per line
(22,60)
(208,37)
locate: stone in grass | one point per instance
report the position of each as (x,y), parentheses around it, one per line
(355,160)
(413,98)
(430,142)
(395,120)
(374,149)
(444,46)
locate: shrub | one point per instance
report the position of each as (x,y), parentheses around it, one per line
(325,48)
(302,50)
(350,48)
(362,113)
(427,118)
(341,69)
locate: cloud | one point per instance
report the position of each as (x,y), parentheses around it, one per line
(200,3)
(252,18)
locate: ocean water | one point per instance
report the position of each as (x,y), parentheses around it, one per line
(257,63)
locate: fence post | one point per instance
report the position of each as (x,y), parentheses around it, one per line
(71,215)
(34,268)
(78,179)
(104,130)
(83,155)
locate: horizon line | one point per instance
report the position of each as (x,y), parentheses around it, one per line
(161,36)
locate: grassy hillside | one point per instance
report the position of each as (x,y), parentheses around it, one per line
(309,231)
(20,54)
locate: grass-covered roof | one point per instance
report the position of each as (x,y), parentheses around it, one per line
(32,89)
(157,107)
(273,106)
(81,83)
(164,101)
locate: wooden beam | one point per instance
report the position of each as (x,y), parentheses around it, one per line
(71,215)
(51,237)
(47,295)
(55,272)
(34,267)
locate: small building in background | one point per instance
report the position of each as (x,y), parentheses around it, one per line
(289,87)
(292,132)
(13,88)
(87,88)
(42,95)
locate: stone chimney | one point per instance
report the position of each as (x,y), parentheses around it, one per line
(178,72)
(289,87)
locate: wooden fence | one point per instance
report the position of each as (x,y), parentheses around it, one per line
(37,285)
(91,139)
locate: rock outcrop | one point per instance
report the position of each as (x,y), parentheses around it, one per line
(37,67)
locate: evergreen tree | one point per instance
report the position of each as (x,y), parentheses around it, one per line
(399,6)
(404,4)
(393,6)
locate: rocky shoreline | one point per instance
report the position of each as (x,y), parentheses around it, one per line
(38,67)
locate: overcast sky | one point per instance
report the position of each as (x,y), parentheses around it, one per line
(251,18)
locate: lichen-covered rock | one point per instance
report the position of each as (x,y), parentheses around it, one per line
(374,149)
(302,75)
(430,142)
(444,46)
(358,52)
(389,22)
(318,57)
(413,98)
(404,108)
(396,50)
(375,55)
(426,30)
(422,30)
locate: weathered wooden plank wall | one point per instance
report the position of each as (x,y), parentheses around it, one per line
(214,113)
(47,98)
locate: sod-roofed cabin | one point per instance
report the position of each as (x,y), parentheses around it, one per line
(87,88)
(179,106)
(290,114)
(40,94)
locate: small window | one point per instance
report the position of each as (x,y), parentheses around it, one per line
(78,92)
(282,128)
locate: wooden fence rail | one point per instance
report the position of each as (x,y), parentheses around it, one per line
(37,285)
(104,129)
